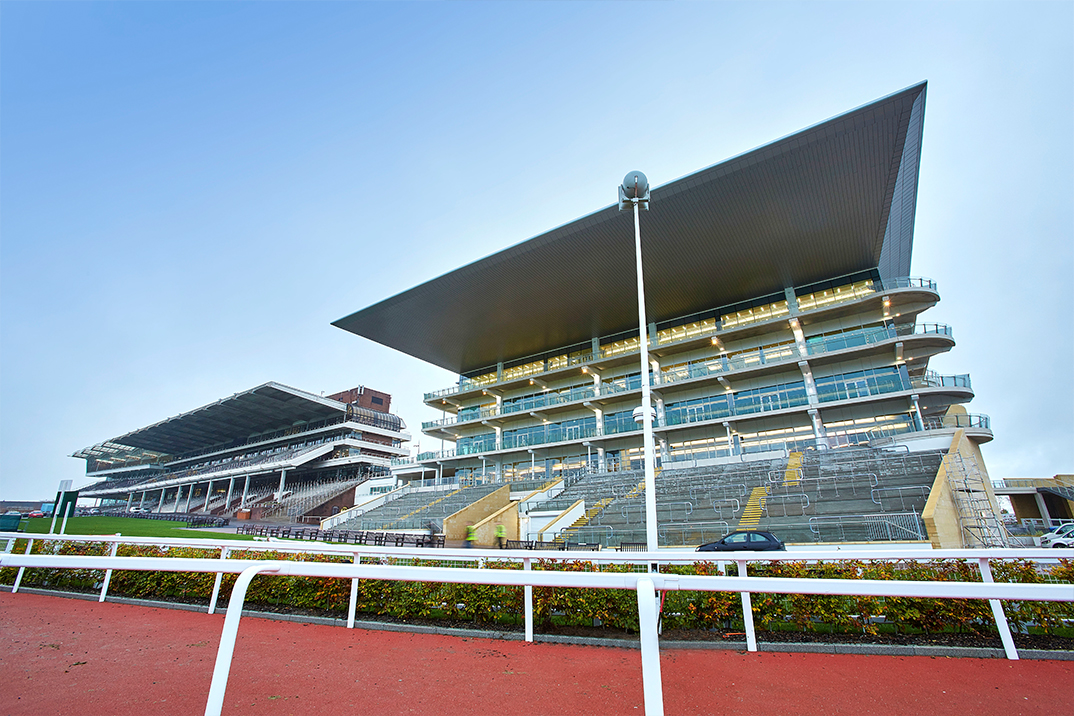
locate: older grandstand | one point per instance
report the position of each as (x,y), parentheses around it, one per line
(790,365)
(271,452)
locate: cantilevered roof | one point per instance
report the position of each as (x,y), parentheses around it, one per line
(832,200)
(267,407)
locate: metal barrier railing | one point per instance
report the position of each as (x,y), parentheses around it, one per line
(645,584)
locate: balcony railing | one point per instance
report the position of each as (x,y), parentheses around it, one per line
(969,420)
(935,380)
(674,335)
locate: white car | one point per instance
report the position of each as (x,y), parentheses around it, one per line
(1062,536)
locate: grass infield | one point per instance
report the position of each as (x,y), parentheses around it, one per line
(128,527)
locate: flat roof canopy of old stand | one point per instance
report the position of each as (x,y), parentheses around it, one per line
(269,406)
(832,200)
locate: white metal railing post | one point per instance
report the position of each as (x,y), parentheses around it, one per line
(18,578)
(108,572)
(216,585)
(529,603)
(215,703)
(652,688)
(747,611)
(997,613)
(353,604)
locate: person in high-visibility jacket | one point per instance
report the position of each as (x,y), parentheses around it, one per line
(471,536)
(501,535)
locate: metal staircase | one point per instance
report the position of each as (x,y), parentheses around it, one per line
(981,526)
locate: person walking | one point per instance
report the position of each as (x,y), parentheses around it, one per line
(471,536)
(501,535)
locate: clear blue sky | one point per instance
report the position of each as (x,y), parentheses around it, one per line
(191,192)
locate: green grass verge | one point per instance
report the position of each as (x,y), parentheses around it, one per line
(128,527)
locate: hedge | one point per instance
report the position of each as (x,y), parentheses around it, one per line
(613,608)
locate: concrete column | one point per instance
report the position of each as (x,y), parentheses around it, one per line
(141,502)
(792,301)
(819,434)
(130,498)
(230,490)
(189,493)
(283,483)
(178,494)
(730,439)
(1043,507)
(916,412)
(810,384)
(602,463)
(499,371)
(160,503)
(245,491)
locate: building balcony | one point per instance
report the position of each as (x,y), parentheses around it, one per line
(900,298)
(736,408)
(921,340)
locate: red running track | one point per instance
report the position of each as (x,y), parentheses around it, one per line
(68,656)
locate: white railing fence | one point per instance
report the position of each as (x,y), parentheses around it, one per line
(647,585)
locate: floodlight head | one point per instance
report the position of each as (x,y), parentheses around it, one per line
(634,189)
(639,415)
(635,185)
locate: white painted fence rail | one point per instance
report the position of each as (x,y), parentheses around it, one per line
(646,584)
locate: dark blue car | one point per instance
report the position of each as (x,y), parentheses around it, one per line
(752,540)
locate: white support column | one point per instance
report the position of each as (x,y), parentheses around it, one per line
(130,499)
(178,496)
(208,494)
(283,482)
(108,572)
(747,610)
(245,491)
(730,440)
(352,605)
(652,688)
(230,490)
(141,502)
(216,584)
(529,603)
(160,503)
(997,614)
(189,494)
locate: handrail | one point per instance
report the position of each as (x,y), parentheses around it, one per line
(644,584)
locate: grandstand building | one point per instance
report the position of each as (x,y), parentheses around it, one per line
(271,452)
(790,357)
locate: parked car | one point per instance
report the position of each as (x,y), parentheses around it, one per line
(1060,538)
(36,513)
(1060,531)
(752,540)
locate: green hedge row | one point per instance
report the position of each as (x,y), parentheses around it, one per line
(583,607)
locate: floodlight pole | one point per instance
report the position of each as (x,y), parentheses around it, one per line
(635,190)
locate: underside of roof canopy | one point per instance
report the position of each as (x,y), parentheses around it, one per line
(835,199)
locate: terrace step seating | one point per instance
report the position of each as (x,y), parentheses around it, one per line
(414,510)
(372,538)
(849,494)
(305,496)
